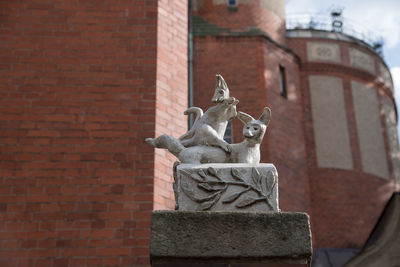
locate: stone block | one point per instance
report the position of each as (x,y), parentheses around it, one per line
(361,60)
(229,237)
(369,130)
(331,132)
(226,187)
(325,52)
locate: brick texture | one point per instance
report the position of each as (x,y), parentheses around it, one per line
(82,83)
(171,94)
(247,16)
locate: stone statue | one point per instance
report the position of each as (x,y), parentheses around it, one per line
(210,169)
(209,128)
(247,151)
(204,142)
(212,175)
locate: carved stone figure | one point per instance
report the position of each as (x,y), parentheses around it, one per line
(204,142)
(214,175)
(209,128)
(247,151)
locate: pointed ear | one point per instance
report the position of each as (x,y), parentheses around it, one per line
(217,80)
(220,82)
(266,116)
(244,117)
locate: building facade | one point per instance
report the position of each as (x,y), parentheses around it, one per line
(82,83)
(332,134)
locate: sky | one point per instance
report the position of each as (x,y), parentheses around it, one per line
(380,17)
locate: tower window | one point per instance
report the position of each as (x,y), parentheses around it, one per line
(232,3)
(282,81)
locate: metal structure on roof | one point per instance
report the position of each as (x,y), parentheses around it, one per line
(335,22)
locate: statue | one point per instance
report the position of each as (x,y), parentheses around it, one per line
(204,142)
(209,128)
(212,175)
(247,151)
(209,168)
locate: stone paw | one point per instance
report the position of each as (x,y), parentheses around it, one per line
(151,141)
(227,148)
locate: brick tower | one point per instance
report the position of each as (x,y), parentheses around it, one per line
(351,138)
(245,43)
(333,133)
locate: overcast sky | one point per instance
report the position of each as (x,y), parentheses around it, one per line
(381,17)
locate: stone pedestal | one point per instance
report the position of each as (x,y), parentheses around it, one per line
(226,187)
(184,238)
(228,215)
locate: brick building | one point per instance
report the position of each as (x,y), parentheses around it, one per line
(82,83)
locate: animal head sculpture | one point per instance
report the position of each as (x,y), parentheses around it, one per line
(221,90)
(255,129)
(231,102)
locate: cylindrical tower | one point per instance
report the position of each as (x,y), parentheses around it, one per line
(350,128)
(244,16)
(332,134)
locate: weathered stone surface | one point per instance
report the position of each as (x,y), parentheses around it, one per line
(226,187)
(234,237)
(204,142)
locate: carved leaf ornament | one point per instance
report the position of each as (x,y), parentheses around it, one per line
(211,183)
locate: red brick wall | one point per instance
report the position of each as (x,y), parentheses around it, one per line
(345,204)
(78,83)
(239,61)
(245,17)
(250,66)
(171,94)
(285,138)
